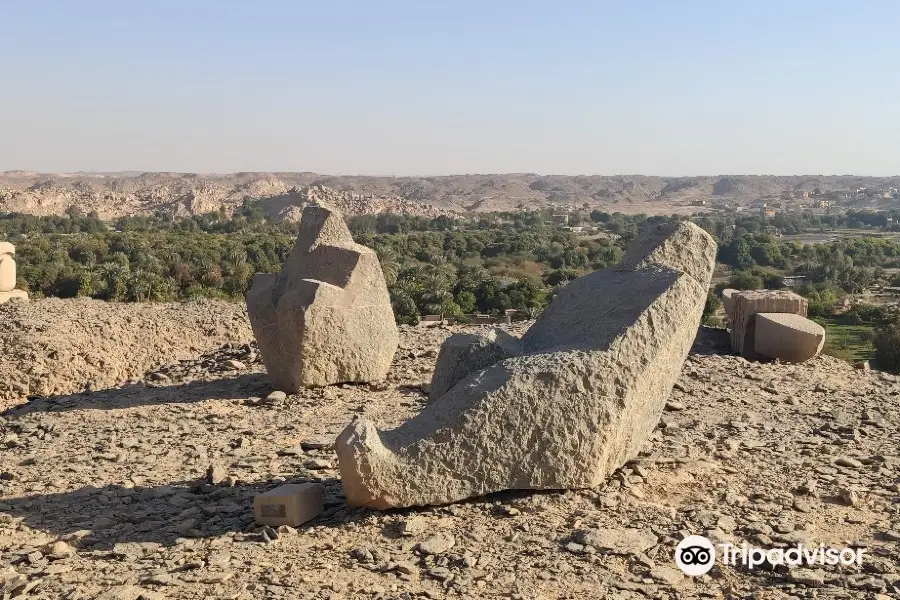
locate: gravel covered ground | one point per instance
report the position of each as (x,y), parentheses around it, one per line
(55,346)
(105,494)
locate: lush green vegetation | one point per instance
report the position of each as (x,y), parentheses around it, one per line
(432,265)
(452,266)
(849,342)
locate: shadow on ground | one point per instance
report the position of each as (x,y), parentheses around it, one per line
(711,340)
(100,518)
(141,394)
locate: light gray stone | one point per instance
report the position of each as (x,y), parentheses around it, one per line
(465,353)
(580,401)
(327,317)
(7,267)
(8,289)
(437,544)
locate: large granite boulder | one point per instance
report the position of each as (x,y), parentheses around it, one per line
(327,317)
(564,408)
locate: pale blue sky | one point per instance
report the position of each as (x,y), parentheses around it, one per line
(419,87)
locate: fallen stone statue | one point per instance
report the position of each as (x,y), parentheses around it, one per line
(327,317)
(562,407)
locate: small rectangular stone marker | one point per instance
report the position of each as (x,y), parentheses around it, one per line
(292,504)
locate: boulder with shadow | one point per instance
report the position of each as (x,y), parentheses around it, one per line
(562,407)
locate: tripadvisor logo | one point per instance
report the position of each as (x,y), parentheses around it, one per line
(696,555)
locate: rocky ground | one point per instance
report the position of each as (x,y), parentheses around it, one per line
(145,491)
(55,346)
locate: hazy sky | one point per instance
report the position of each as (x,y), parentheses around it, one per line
(419,87)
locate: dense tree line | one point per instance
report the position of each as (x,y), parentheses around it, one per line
(431,265)
(486,263)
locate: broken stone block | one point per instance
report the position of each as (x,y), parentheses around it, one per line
(745,307)
(788,337)
(465,353)
(584,395)
(13,295)
(728,302)
(7,267)
(327,317)
(8,289)
(292,504)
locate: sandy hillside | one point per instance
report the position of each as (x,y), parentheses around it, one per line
(282,194)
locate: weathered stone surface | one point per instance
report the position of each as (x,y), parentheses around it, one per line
(788,337)
(7,267)
(465,353)
(327,317)
(746,305)
(581,400)
(13,295)
(728,302)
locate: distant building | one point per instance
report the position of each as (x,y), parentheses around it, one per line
(792,280)
(561,219)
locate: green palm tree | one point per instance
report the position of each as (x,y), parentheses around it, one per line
(390,266)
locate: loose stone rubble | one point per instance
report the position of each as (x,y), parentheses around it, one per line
(772,324)
(62,347)
(8,289)
(576,402)
(104,494)
(327,317)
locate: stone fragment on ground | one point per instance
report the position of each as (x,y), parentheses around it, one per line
(788,337)
(731,452)
(326,317)
(291,505)
(586,392)
(745,305)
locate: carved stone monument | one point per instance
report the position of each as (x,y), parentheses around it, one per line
(8,289)
(561,407)
(327,317)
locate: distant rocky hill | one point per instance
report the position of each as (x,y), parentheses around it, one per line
(283,194)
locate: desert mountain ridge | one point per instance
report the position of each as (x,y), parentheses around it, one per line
(282,195)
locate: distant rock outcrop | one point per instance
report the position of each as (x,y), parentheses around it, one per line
(564,407)
(283,195)
(327,317)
